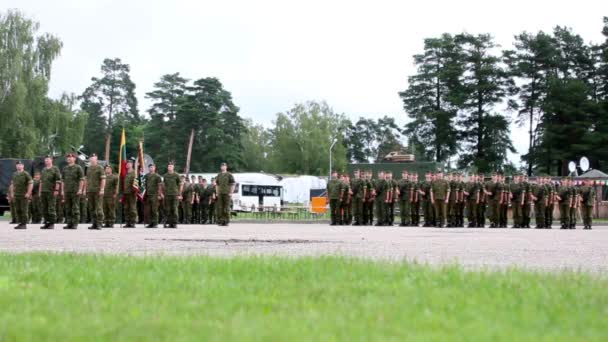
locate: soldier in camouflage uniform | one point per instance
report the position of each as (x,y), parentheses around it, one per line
(526,210)
(195,204)
(35,210)
(518,193)
(451,204)
(539,197)
(587,196)
(483,201)
(388,199)
(405,193)
(564,200)
(368,204)
(550,202)
(440,194)
(394,198)
(72,190)
(130,196)
(334,196)
(576,200)
(472,194)
(359,189)
(504,202)
(205,199)
(380,191)
(96,184)
(415,206)
(346,203)
(50,186)
(427,207)
(224,189)
(187,200)
(171,191)
(213,198)
(22,185)
(109,198)
(460,200)
(494,189)
(154,183)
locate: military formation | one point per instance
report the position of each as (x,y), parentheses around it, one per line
(444,200)
(74,195)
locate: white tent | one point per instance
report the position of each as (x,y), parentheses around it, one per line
(297,189)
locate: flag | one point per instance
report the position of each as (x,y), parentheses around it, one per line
(122,161)
(138,185)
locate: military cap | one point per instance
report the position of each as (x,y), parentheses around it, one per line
(71,154)
(109,166)
(171,162)
(18,162)
(48,156)
(223,164)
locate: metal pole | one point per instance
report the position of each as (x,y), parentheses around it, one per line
(330,149)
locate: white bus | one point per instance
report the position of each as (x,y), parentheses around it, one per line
(252,196)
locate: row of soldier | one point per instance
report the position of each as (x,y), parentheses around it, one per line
(444,201)
(53,194)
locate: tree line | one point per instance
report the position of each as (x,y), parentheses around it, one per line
(459,105)
(466,90)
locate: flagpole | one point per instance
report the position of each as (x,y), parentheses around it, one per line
(187,168)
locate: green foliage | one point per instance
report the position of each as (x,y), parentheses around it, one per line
(29,118)
(432,98)
(302,136)
(205,107)
(485,132)
(256,146)
(112,105)
(279,299)
(371,140)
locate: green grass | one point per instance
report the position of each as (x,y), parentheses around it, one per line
(74,297)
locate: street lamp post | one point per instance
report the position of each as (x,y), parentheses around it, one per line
(330,149)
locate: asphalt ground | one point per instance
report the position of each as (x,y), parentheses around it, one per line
(473,248)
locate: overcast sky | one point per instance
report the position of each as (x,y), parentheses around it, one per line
(356,55)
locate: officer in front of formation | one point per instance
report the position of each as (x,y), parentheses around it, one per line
(130,195)
(96,184)
(72,190)
(22,185)
(153,195)
(224,188)
(110,194)
(50,188)
(171,191)
(440,194)
(587,201)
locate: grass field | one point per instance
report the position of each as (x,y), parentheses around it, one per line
(51,297)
